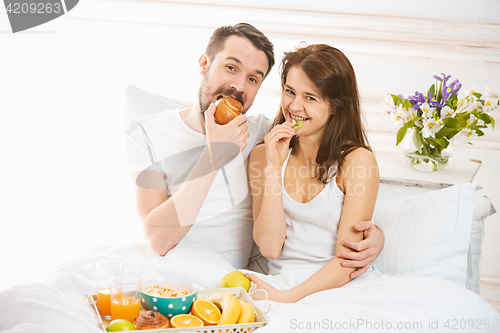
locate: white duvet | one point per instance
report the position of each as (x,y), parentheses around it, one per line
(371,303)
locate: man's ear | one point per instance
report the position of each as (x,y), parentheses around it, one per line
(203,62)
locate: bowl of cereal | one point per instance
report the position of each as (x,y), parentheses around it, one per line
(169,296)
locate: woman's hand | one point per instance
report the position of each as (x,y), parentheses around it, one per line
(277,143)
(273,294)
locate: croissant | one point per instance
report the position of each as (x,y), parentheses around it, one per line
(150,320)
(227,108)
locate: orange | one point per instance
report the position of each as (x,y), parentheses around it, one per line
(185,320)
(207,311)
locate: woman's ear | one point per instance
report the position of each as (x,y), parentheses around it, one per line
(333,111)
(203,63)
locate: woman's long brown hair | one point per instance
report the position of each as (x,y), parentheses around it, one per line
(330,70)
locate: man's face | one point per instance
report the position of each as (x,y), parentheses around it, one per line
(237,71)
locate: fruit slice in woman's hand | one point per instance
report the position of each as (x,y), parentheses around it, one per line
(297,123)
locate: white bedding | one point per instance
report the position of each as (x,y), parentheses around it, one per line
(373,302)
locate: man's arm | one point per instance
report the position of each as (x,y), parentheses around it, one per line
(166,220)
(365,251)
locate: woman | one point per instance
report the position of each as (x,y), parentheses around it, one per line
(312,184)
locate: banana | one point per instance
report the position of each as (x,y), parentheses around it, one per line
(246,315)
(229,305)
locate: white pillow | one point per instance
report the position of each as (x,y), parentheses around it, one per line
(428,234)
(482,209)
(140,103)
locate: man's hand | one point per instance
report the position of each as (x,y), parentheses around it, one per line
(366,251)
(225,141)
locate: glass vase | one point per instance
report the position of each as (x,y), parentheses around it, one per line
(429,156)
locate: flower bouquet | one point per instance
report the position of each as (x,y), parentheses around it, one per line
(435,118)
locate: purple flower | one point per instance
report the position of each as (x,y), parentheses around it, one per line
(447,91)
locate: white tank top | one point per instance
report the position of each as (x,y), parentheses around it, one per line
(311,227)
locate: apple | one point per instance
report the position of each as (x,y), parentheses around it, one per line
(119,325)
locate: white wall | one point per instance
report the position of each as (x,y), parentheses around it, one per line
(64,185)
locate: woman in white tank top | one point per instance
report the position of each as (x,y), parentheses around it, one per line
(314,177)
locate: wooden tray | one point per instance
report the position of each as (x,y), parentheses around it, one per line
(240,293)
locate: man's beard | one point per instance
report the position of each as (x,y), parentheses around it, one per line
(204,96)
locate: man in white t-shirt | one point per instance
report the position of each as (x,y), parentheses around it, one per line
(190,172)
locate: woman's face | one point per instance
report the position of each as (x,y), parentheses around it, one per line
(301,99)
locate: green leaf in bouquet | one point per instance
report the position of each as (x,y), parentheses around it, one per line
(397,100)
(452,134)
(417,140)
(473,123)
(439,141)
(407,104)
(463,118)
(433,89)
(452,101)
(484,117)
(445,131)
(478,131)
(401,134)
(452,122)
(478,95)
(439,94)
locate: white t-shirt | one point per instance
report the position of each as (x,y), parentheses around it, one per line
(164,143)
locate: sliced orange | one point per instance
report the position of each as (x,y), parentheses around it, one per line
(185,320)
(207,311)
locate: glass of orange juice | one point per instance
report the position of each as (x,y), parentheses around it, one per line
(105,270)
(125,296)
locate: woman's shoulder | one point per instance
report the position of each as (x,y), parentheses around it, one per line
(360,153)
(360,157)
(258,153)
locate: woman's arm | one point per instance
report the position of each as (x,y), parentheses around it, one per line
(264,174)
(359,181)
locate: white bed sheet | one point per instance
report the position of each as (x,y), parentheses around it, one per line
(373,302)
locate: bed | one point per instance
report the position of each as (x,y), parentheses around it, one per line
(425,279)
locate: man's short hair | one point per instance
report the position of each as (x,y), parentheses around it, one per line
(245,30)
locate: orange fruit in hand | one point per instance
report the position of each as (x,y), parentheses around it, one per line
(185,320)
(207,311)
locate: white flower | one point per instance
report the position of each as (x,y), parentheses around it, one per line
(469,104)
(447,112)
(490,105)
(388,104)
(465,136)
(469,92)
(490,93)
(491,99)
(427,111)
(473,118)
(399,116)
(431,127)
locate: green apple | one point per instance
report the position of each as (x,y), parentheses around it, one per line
(235,279)
(119,325)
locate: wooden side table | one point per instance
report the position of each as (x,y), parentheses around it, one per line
(398,179)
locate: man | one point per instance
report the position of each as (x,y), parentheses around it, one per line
(190,172)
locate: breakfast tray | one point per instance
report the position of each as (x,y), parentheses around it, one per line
(240,293)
